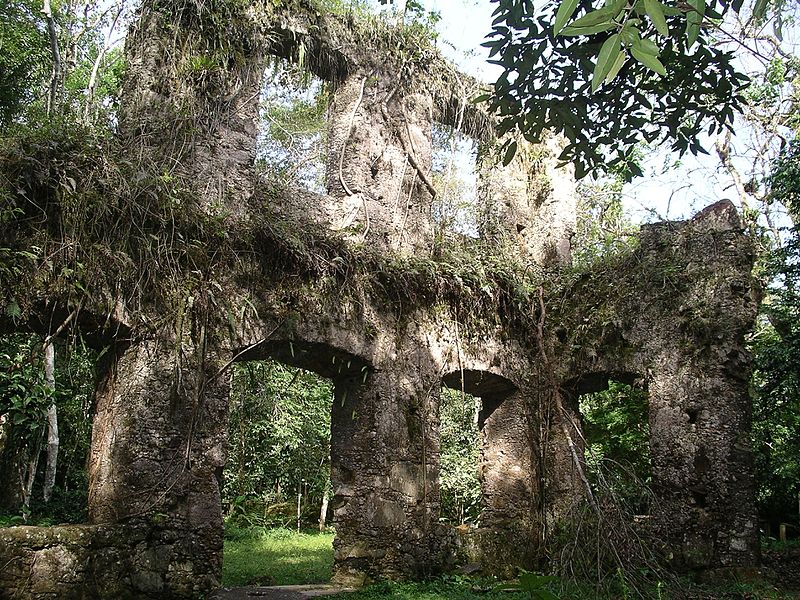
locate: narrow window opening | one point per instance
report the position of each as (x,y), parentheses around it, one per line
(459,476)
(290,147)
(456,182)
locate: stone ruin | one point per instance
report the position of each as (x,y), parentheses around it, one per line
(671,315)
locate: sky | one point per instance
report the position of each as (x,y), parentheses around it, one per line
(688,185)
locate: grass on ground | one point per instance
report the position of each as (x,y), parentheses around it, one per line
(261,556)
(453,587)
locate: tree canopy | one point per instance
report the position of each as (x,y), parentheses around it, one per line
(611,76)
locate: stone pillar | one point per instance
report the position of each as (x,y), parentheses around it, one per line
(703,465)
(190,98)
(379,156)
(531,204)
(510,484)
(564,457)
(384,467)
(158,448)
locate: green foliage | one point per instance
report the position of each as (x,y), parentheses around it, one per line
(603,229)
(279,440)
(24,56)
(448,587)
(460,486)
(536,586)
(25,398)
(24,394)
(616,427)
(784,181)
(276,557)
(453,176)
(26,63)
(776,383)
(666,93)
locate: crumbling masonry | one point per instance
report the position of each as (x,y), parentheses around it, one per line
(671,315)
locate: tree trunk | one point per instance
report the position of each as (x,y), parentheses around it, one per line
(52,423)
(5,431)
(57,74)
(30,475)
(323,510)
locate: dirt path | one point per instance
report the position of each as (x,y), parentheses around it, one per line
(278,592)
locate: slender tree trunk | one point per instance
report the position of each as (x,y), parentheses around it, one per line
(90,88)
(52,423)
(57,75)
(30,475)
(323,510)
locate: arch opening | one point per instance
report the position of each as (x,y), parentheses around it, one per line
(45,428)
(276,481)
(285,446)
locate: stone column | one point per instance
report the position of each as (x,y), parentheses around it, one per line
(703,465)
(379,155)
(384,466)
(190,99)
(158,448)
(563,461)
(530,205)
(509,482)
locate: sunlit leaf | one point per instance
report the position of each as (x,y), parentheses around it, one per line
(649,61)
(565,12)
(656,14)
(694,19)
(605,60)
(574,31)
(615,68)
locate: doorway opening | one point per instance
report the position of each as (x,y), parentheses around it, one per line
(276,483)
(46,411)
(460,491)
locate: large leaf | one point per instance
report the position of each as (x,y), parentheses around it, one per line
(602,15)
(571,31)
(615,68)
(656,14)
(565,11)
(647,46)
(694,18)
(608,56)
(648,60)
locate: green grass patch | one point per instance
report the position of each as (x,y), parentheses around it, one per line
(261,556)
(444,588)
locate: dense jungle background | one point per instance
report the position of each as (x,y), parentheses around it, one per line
(61,67)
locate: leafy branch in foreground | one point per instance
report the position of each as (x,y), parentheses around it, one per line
(566,67)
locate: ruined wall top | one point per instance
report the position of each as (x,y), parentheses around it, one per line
(192,90)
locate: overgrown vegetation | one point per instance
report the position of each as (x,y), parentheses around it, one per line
(25,398)
(90,224)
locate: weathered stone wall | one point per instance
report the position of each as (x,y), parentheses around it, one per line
(147,558)
(530,206)
(674,313)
